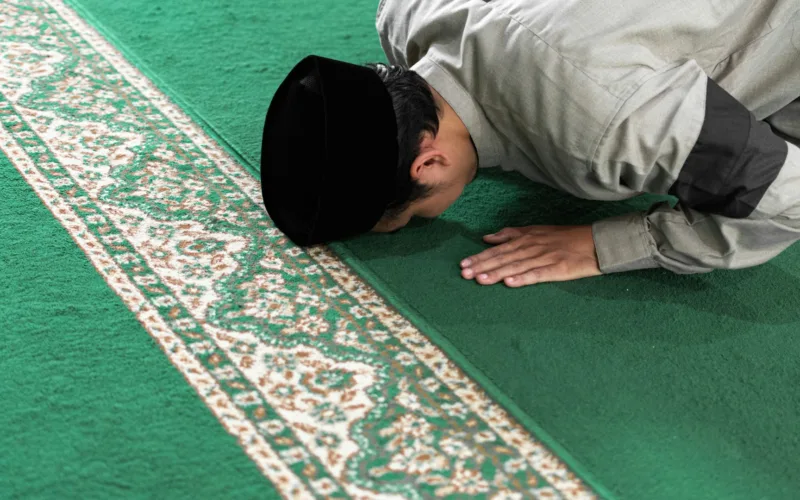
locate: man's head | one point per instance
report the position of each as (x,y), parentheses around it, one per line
(350,149)
(436,157)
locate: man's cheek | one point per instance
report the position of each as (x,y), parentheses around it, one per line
(438,206)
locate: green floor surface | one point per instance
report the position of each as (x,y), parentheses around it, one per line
(91,406)
(663,386)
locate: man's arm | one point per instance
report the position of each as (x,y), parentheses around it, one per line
(738,184)
(679,133)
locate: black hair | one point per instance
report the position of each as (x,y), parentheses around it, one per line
(417,114)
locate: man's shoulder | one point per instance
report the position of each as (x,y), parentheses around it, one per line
(379,13)
(513,30)
(389,12)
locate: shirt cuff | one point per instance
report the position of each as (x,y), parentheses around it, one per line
(623,244)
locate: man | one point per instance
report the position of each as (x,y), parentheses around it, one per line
(604,100)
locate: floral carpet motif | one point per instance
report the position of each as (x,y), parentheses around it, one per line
(328,389)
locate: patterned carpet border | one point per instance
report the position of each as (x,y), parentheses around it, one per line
(328,389)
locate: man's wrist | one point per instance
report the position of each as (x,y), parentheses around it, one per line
(623,244)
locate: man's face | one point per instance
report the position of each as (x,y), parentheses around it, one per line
(448,184)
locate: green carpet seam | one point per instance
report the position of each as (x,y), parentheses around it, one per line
(486,383)
(429,331)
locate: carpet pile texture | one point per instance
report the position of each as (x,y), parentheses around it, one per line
(640,385)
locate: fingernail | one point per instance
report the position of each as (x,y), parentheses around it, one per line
(483,276)
(509,280)
(468,273)
(466,263)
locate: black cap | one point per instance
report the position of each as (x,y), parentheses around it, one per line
(329,152)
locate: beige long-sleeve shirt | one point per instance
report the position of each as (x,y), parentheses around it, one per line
(607,99)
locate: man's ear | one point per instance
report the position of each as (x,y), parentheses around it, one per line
(426,167)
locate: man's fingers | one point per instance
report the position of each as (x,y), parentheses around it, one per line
(503,235)
(500,260)
(493,252)
(514,268)
(543,274)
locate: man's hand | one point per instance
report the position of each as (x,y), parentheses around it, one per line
(534,254)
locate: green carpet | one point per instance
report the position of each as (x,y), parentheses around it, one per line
(91,407)
(140,260)
(661,386)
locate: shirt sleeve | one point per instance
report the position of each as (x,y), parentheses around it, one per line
(737,183)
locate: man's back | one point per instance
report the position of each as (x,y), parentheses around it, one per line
(619,41)
(549,77)
(615,43)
